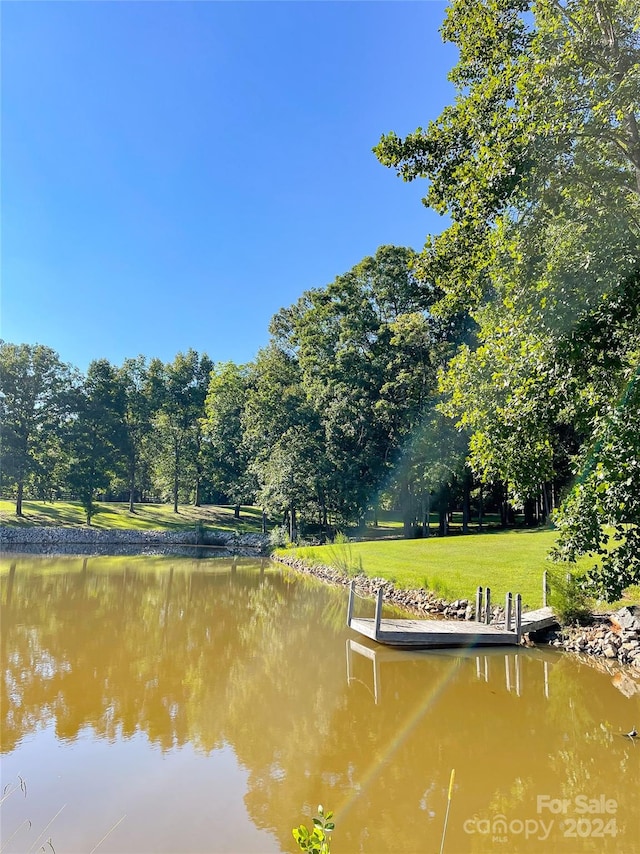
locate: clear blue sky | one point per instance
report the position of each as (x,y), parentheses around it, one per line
(173,172)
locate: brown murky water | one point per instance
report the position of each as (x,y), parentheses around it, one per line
(176,705)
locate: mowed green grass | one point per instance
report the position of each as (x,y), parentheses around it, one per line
(157,517)
(506,561)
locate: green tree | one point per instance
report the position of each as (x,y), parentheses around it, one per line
(228,455)
(137,421)
(34,395)
(368,349)
(600,516)
(178,391)
(536,163)
(96,435)
(282,433)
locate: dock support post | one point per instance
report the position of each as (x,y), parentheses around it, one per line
(479,605)
(508,604)
(378,613)
(546,678)
(487,606)
(352,593)
(545,589)
(518,616)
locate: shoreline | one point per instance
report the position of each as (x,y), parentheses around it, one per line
(50,537)
(611,639)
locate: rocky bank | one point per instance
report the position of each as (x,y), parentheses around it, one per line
(614,637)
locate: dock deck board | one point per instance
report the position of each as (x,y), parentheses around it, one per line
(542,618)
(432,633)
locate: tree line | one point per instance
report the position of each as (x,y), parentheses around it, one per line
(500,365)
(339,408)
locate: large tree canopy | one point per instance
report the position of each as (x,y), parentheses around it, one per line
(35,389)
(538,165)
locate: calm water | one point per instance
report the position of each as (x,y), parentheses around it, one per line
(175,705)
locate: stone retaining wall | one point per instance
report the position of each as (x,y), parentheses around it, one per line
(50,536)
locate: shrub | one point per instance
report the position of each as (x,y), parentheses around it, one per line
(567,597)
(279,538)
(316,841)
(342,557)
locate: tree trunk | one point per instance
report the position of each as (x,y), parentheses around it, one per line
(529,512)
(19,498)
(292,525)
(480,509)
(264,522)
(196,501)
(504,507)
(132,489)
(176,471)
(236,511)
(466,502)
(545,504)
(443,527)
(406,508)
(426,519)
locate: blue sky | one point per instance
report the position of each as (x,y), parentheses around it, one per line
(173,173)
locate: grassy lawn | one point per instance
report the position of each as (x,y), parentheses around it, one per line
(452,566)
(157,517)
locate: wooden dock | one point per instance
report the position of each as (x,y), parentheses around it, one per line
(442,634)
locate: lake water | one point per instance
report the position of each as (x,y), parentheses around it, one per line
(176,705)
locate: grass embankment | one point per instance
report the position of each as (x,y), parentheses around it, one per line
(147,517)
(453,567)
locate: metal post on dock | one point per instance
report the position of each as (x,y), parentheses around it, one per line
(352,594)
(545,589)
(508,605)
(518,615)
(378,613)
(487,606)
(479,605)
